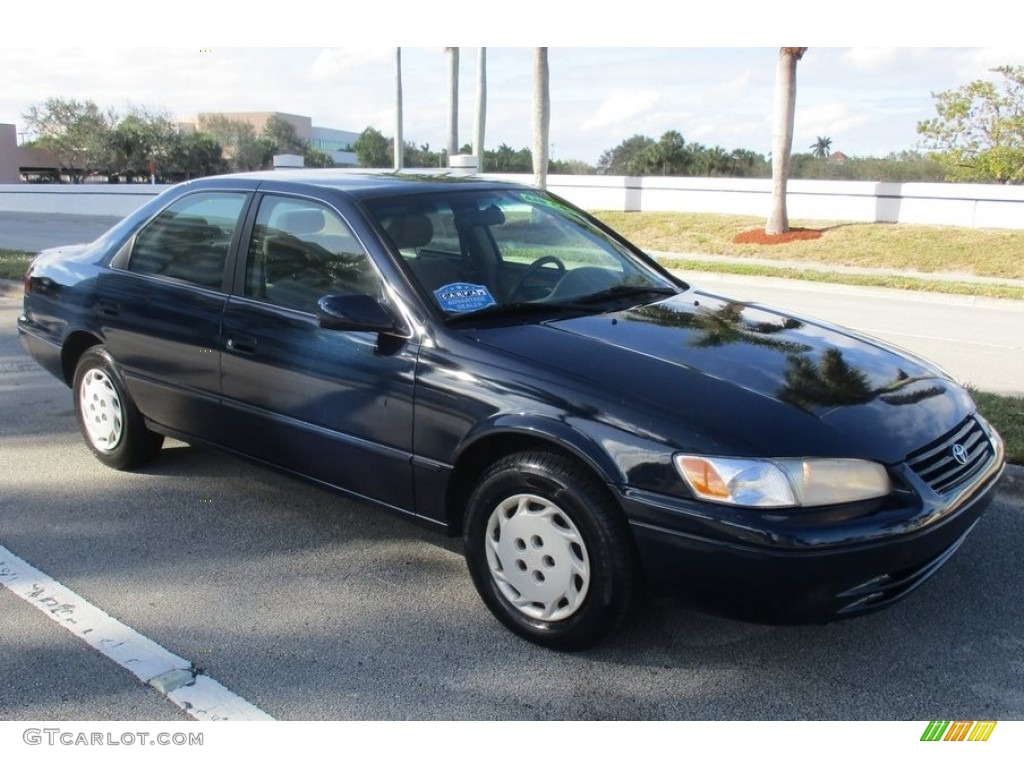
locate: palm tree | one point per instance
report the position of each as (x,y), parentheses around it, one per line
(821,147)
(481,109)
(453,101)
(541,117)
(398,109)
(782,137)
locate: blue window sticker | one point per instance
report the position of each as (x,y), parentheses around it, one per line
(463,297)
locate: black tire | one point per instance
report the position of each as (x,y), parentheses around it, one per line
(550,552)
(112,426)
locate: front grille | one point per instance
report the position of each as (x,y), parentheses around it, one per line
(937,464)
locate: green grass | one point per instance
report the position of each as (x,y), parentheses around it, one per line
(13,264)
(1006,414)
(980,252)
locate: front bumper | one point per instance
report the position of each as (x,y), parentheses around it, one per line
(770,570)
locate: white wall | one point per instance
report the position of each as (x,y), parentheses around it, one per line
(79,199)
(962,205)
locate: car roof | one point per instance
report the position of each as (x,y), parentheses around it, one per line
(363,184)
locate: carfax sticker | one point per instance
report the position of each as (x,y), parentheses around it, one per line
(463,297)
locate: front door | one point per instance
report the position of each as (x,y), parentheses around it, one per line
(332,405)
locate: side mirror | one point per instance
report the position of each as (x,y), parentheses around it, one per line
(354,312)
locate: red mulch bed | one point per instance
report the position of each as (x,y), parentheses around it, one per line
(758,237)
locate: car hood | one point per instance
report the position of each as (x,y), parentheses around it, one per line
(720,365)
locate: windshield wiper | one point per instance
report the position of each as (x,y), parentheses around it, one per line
(516,309)
(623,291)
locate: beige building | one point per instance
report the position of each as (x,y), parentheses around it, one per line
(336,143)
(23,163)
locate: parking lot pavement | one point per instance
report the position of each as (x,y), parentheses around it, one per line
(311,606)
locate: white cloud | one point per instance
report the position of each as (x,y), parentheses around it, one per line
(621,106)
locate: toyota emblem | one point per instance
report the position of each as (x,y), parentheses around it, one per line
(960,454)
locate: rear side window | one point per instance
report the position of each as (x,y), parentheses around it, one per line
(189,239)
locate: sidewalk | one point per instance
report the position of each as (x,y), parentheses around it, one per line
(952,277)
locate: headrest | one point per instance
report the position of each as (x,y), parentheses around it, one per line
(304,221)
(411,231)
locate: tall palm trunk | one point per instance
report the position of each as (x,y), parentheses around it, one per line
(541,117)
(481,109)
(453,102)
(782,137)
(399,144)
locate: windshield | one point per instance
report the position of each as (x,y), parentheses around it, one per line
(488,251)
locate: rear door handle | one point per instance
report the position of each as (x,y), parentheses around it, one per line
(109,308)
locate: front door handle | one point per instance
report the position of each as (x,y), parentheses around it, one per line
(245,345)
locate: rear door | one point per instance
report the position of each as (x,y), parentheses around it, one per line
(332,405)
(161,312)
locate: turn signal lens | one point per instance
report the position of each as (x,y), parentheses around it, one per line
(741,482)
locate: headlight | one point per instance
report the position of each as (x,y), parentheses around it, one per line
(782,482)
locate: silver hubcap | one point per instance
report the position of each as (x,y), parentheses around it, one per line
(537,557)
(102,412)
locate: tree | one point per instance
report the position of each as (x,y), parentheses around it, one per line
(629,158)
(399,145)
(504,159)
(283,138)
(481,109)
(821,147)
(76,132)
(782,136)
(193,155)
(243,149)
(979,133)
(541,117)
(141,143)
(453,100)
(372,149)
(316,158)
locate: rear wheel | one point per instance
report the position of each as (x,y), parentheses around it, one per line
(550,552)
(112,426)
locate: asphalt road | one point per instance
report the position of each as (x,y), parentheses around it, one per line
(313,607)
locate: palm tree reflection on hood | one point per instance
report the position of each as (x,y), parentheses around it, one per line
(827,382)
(725,325)
(833,382)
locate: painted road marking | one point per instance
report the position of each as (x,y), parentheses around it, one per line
(200,696)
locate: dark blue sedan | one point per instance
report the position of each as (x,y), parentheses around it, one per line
(492,362)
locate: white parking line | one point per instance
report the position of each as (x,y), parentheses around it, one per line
(200,696)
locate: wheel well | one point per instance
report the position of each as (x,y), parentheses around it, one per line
(72,350)
(474,462)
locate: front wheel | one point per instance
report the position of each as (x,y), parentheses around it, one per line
(550,552)
(112,426)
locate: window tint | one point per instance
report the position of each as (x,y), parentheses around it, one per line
(302,251)
(189,239)
(470,250)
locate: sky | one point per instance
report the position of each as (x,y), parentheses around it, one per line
(709,75)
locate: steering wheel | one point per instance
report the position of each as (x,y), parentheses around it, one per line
(535,267)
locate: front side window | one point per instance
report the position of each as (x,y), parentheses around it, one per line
(189,239)
(301,251)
